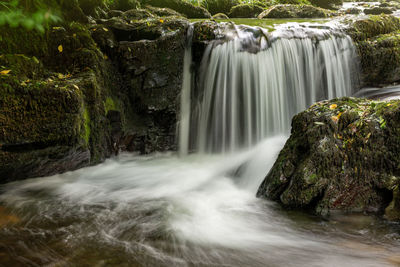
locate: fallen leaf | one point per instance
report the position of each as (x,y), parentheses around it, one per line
(105,29)
(60,76)
(4,72)
(333,106)
(335,118)
(161,20)
(76,86)
(60,48)
(388,105)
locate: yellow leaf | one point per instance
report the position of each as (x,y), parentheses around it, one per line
(74,35)
(94,29)
(4,72)
(338,115)
(388,105)
(335,118)
(161,20)
(76,86)
(105,57)
(333,106)
(56,28)
(60,48)
(60,76)
(105,29)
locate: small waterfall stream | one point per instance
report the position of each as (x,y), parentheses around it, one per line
(252,84)
(200,209)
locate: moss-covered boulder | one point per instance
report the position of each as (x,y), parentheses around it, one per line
(295,11)
(342,154)
(181,6)
(163,12)
(327,3)
(219,6)
(378,45)
(378,10)
(245,11)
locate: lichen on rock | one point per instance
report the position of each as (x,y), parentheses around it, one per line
(295,11)
(343,155)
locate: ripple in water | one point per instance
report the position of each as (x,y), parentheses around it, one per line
(162,210)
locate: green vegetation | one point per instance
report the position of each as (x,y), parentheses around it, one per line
(14,14)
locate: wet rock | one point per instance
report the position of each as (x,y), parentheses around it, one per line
(353,11)
(163,12)
(377,41)
(378,11)
(327,3)
(295,11)
(219,6)
(343,155)
(245,11)
(181,6)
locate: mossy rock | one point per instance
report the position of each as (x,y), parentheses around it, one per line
(353,11)
(181,6)
(327,3)
(380,59)
(219,6)
(378,10)
(245,11)
(163,12)
(342,154)
(51,111)
(295,11)
(362,29)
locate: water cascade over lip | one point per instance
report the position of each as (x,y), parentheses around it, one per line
(251,82)
(200,209)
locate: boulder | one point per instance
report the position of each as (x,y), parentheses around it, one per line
(327,3)
(378,10)
(181,6)
(163,12)
(295,11)
(377,41)
(342,154)
(353,11)
(219,6)
(245,11)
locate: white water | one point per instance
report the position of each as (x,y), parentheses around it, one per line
(164,210)
(251,86)
(200,209)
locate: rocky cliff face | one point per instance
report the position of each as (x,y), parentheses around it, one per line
(81,92)
(342,154)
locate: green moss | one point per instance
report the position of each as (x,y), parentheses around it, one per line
(86,123)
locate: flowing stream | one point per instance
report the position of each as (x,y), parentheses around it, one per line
(200,209)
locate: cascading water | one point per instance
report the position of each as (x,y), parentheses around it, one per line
(200,209)
(252,84)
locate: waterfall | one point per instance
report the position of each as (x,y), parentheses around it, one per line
(252,84)
(184,122)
